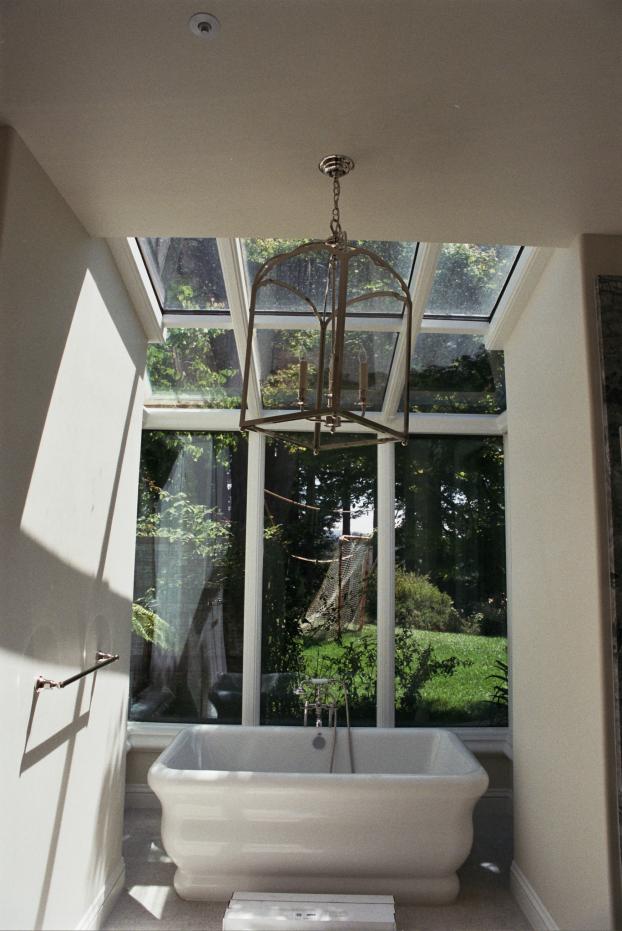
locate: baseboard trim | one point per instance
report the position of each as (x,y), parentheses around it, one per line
(139,795)
(529,902)
(105,900)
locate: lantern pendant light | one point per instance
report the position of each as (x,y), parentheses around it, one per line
(334,302)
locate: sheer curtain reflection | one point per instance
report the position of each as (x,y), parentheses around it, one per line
(187,565)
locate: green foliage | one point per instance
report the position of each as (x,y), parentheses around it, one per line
(259,251)
(419,603)
(181,521)
(489,618)
(500,692)
(198,366)
(150,626)
(355,663)
(467,276)
(450,495)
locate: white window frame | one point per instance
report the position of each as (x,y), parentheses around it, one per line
(154,736)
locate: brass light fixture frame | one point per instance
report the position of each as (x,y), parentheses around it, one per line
(327,411)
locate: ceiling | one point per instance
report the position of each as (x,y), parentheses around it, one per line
(469,120)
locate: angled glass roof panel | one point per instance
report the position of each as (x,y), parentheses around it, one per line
(186,274)
(194,368)
(453,373)
(307,274)
(279,353)
(470,279)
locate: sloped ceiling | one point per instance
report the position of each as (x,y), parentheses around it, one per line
(469,120)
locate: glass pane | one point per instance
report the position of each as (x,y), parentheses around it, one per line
(279,353)
(185,273)
(194,368)
(469,279)
(186,659)
(455,374)
(307,273)
(319,588)
(450,598)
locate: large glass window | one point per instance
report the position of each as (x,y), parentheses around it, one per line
(318,582)
(186,660)
(450,610)
(453,373)
(194,368)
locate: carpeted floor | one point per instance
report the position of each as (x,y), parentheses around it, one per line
(484,904)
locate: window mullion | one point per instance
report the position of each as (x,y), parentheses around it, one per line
(385,706)
(235,286)
(422,278)
(253,580)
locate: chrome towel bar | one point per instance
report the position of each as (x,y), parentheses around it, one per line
(103,659)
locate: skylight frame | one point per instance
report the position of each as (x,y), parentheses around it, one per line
(233,267)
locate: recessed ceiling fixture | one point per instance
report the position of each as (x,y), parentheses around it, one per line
(204,25)
(340,284)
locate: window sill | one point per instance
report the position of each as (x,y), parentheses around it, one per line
(145,735)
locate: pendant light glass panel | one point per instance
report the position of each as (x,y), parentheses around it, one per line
(279,353)
(333,280)
(307,273)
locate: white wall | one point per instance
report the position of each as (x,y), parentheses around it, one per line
(565,833)
(71,410)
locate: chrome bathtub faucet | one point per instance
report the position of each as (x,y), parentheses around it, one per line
(319,701)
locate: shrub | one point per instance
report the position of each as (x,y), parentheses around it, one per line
(492,616)
(500,693)
(420,604)
(415,665)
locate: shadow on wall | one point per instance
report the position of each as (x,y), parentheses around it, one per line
(64,757)
(71,496)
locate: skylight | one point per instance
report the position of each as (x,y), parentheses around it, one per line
(470,279)
(185,274)
(306,275)
(198,366)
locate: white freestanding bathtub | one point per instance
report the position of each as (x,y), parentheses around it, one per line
(256,809)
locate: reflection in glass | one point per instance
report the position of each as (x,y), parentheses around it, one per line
(308,275)
(279,353)
(185,273)
(318,583)
(469,279)
(186,660)
(194,368)
(450,597)
(453,373)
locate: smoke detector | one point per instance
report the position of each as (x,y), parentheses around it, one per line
(203,25)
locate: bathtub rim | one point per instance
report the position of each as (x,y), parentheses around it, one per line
(161,774)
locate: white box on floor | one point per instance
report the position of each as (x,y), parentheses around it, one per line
(273,911)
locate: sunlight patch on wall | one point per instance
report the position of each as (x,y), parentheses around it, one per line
(68,505)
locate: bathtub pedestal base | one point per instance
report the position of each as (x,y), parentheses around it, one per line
(438,890)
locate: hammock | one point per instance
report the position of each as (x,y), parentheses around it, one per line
(340,603)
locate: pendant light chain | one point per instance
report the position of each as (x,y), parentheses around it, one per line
(335,223)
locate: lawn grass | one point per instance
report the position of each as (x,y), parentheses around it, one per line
(462,698)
